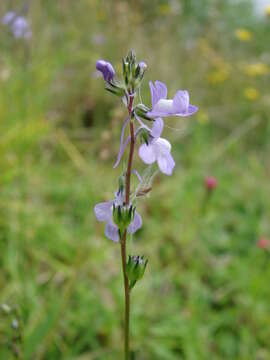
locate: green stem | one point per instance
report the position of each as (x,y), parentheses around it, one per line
(124,237)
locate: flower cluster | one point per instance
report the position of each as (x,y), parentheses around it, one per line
(153,148)
(18,25)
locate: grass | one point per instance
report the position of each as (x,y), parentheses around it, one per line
(205,292)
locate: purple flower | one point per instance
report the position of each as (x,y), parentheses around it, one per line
(161,106)
(103,212)
(158,149)
(98,39)
(8,17)
(106,69)
(19,26)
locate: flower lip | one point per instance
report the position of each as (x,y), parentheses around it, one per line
(158,150)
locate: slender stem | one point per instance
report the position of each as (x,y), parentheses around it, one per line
(124,237)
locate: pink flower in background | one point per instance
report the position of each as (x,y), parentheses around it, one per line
(263,243)
(210,183)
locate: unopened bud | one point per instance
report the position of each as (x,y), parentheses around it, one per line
(115,88)
(135,269)
(144,136)
(121,184)
(123,216)
(263,243)
(210,183)
(106,69)
(141,110)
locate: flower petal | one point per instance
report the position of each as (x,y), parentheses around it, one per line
(122,145)
(138,175)
(159,91)
(8,17)
(111,231)
(157,128)
(166,163)
(103,211)
(147,154)
(181,102)
(162,146)
(192,109)
(136,224)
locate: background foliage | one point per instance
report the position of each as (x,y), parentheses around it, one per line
(205,294)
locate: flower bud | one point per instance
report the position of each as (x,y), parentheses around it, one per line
(131,57)
(142,65)
(263,243)
(135,269)
(126,74)
(132,72)
(140,70)
(116,89)
(106,69)
(123,216)
(141,110)
(121,184)
(210,183)
(144,136)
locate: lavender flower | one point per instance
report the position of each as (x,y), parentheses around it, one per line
(19,25)
(106,69)
(163,107)
(103,212)
(158,149)
(21,28)
(98,39)
(8,17)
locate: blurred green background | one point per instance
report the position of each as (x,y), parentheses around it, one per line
(205,294)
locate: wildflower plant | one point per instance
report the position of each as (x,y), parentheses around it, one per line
(145,125)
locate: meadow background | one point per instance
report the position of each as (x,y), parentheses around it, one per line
(205,294)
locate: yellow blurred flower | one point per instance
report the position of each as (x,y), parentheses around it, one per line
(251,93)
(164,9)
(203,117)
(257,69)
(219,74)
(101,15)
(267,10)
(243,34)
(204,46)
